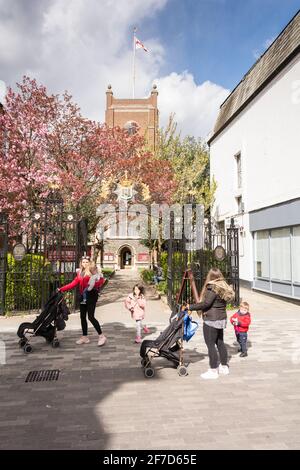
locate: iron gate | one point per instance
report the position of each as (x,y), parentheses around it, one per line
(42,258)
(219,249)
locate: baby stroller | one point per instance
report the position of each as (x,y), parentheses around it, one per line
(51,319)
(169,343)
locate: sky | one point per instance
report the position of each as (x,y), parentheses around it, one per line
(198,50)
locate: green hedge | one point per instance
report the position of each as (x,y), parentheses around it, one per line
(147,275)
(162,287)
(164,263)
(28,282)
(107,272)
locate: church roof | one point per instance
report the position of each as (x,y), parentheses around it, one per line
(283,49)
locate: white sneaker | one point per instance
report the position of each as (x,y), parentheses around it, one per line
(210,374)
(83,340)
(101,340)
(223,370)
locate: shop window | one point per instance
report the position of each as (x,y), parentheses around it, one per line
(280,249)
(296,254)
(262,260)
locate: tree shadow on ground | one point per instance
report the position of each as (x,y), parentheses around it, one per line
(64,414)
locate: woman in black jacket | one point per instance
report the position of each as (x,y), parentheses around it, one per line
(213,299)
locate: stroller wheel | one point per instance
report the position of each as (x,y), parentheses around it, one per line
(27,348)
(182,371)
(22,342)
(55,343)
(149,372)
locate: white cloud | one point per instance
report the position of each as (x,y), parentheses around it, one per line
(83,45)
(267,43)
(78,45)
(196,106)
(2,91)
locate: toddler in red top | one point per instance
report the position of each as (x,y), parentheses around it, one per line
(241,321)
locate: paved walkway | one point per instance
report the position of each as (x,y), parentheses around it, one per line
(102,400)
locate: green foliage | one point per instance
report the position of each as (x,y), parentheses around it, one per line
(230,307)
(189,158)
(147,275)
(28,282)
(162,287)
(107,272)
(164,263)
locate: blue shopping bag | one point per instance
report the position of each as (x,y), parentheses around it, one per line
(190,327)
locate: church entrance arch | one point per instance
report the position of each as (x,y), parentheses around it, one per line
(126,257)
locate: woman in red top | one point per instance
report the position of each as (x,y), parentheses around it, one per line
(82,280)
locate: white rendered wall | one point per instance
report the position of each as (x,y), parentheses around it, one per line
(267,133)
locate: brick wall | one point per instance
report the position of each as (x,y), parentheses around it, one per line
(143,111)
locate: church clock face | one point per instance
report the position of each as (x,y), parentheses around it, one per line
(219,253)
(131,127)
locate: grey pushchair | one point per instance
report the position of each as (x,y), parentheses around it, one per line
(169,344)
(51,319)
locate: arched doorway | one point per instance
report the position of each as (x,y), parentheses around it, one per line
(126,257)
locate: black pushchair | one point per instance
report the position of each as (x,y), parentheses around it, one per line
(169,343)
(51,319)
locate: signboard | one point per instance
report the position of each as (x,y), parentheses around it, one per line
(66,254)
(143,256)
(62,255)
(109,257)
(19,251)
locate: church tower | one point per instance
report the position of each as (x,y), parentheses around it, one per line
(131,114)
(126,250)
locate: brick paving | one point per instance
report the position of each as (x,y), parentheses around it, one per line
(103,401)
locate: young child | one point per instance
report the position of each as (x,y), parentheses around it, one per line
(241,321)
(136,304)
(95,276)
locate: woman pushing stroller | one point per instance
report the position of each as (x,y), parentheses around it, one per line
(82,280)
(213,299)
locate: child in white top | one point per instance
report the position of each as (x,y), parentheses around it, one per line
(95,276)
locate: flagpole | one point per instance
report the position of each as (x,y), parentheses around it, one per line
(133,84)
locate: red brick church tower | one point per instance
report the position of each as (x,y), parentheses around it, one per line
(128,252)
(133,113)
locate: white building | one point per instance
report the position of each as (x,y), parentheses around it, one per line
(255,159)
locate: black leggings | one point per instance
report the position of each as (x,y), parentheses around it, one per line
(214,337)
(89,308)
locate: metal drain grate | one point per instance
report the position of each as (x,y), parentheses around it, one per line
(42,375)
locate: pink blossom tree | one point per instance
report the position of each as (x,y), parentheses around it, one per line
(45,141)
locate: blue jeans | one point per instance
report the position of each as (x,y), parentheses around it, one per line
(242,340)
(157,279)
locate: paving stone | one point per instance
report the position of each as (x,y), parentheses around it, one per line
(103,401)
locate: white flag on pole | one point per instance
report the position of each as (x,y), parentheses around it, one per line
(139,44)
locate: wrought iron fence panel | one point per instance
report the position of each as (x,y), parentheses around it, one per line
(219,249)
(53,245)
